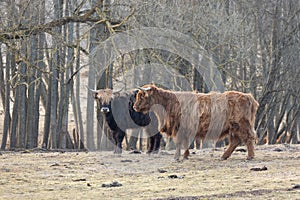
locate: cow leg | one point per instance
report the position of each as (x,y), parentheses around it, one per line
(250,148)
(192,145)
(177,151)
(249,142)
(248,136)
(157,142)
(115,140)
(186,147)
(151,144)
(154,143)
(186,154)
(234,141)
(198,143)
(119,139)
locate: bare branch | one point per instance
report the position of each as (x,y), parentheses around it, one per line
(22,32)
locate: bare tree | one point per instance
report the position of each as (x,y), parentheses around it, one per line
(45,46)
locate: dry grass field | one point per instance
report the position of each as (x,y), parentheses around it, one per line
(38,174)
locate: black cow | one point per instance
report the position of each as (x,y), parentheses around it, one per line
(119,114)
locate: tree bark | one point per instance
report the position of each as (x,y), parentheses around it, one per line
(56,64)
(22,103)
(7,105)
(2,82)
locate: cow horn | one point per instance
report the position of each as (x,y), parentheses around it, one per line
(145,89)
(118,90)
(95,91)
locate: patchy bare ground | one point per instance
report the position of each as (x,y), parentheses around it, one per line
(38,174)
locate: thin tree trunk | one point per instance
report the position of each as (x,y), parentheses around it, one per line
(54,78)
(7,104)
(94,40)
(53,102)
(14,123)
(77,95)
(47,120)
(22,103)
(2,84)
(90,110)
(41,66)
(293,139)
(61,105)
(31,142)
(67,143)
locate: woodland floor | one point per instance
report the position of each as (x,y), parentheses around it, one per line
(38,174)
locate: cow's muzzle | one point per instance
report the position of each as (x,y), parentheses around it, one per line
(105,109)
(136,108)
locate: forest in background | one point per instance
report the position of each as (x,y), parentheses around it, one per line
(45,45)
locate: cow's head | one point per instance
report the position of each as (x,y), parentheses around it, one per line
(103,98)
(144,98)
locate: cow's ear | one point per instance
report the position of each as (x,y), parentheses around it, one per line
(153,88)
(150,91)
(95,95)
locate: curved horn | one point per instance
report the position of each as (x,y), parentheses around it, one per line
(145,89)
(118,90)
(91,89)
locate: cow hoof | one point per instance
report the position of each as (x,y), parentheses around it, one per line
(250,157)
(155,152)
(152,152)
(224,158)
(118,152)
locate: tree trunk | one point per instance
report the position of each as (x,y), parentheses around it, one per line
(7,104)
(22,103)
(31,137)
(46,132)
(2,84)
(14,123)
(75,90)
(66,142)
(90,102)
(40,67)
(56,64)
(91,84)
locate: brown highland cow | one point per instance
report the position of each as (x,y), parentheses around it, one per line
(211,116)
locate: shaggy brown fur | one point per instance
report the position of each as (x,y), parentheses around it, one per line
(210,116)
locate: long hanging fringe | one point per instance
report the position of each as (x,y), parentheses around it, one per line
(218,113)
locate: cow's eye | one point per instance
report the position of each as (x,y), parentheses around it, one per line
(139,96)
